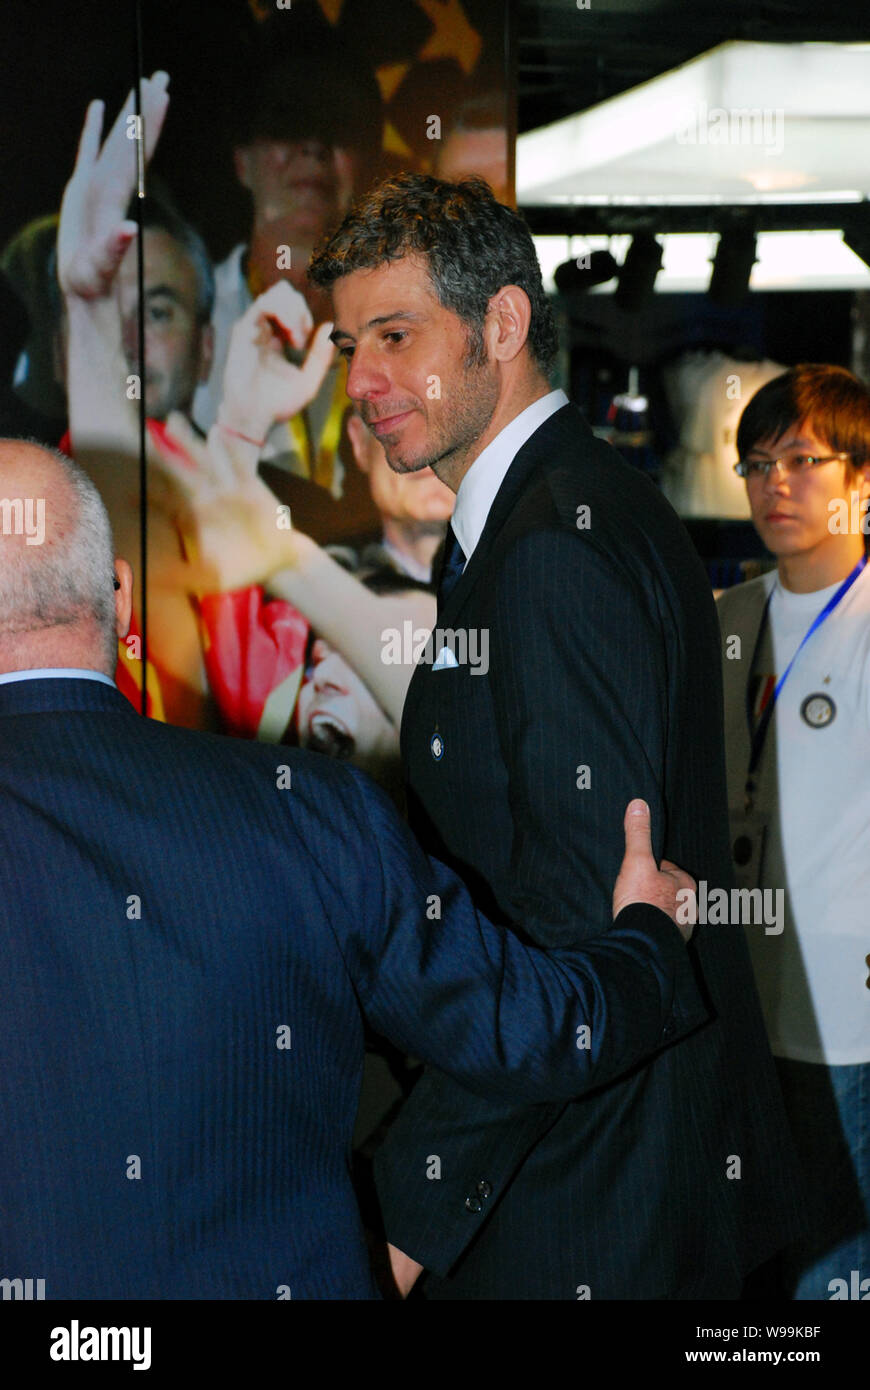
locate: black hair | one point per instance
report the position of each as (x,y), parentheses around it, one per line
(832,402)
(335,98)
(161,216)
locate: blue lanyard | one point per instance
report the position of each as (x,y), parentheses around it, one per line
(759,734)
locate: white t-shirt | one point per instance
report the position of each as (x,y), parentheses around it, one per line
(813,783)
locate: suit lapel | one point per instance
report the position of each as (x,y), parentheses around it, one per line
(535,451)
(538,448)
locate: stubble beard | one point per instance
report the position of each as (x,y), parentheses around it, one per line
(463,418)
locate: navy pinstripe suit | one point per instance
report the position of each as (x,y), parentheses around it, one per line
(603,655)
(186,949)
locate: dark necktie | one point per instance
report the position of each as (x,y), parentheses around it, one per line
(452,565)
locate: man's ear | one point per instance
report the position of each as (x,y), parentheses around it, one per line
(508,317)
(123,597)
(358,435)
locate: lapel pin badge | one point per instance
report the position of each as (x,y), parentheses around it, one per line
(818,711)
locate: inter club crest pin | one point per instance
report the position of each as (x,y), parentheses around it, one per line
(818,711)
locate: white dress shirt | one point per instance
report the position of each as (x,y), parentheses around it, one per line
(55,673)
(478,488)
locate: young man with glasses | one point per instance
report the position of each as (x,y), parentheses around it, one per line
(796,665)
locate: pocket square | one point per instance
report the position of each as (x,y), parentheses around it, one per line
(444,659)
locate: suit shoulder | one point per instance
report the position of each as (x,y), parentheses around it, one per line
(583,483)
(739,603)
(257,767)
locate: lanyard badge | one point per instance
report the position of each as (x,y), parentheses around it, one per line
(758,734)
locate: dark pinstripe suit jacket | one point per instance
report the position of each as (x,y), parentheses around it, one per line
(187,945)
(604,656)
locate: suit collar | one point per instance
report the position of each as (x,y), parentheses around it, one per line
(540,447)
(550,440)
(479,488)
(54,673)
(46,695)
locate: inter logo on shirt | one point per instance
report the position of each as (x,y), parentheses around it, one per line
(818,710)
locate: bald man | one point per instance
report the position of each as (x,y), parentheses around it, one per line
(190,932)
(56,597)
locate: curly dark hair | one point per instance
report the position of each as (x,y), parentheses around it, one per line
(835,404)
(473,245)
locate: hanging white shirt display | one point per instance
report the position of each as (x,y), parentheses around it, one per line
(707,393)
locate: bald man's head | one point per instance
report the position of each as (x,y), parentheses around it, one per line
(58,603)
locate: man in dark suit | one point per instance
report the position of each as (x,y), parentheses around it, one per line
(192,928)
(576,577)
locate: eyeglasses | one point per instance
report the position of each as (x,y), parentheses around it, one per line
(791,464)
